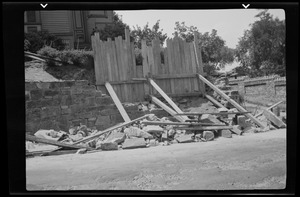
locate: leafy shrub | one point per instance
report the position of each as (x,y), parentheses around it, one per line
(38,40)
(76,57)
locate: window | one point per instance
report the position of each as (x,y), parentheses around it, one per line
(31,29)
(31,17)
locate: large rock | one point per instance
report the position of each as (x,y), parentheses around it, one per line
(116,136)
(225,133)
(134,143)
(185,138)
(109,146)
(48,134)
(153,129)
(208,135)
(132,132)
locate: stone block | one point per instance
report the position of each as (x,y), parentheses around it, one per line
(69,83)
(50,111)
(81,83)
(90,101)
(27,95)
(110,110)
(76,90)
(43,85)
(106,100)
(51,92)
(98,93)
(55,85)
(225,133)
(81,151)
(103,120)
(185,138)
(236,129)
(33,114)
(243,122)
(36,94)
(65,91)
(249,130)
(109,146)
(134,143)
(76,108)
(153,129)
(208,135)
(115,136)
(78,122)
(30,86)
(116,118)
(153,142)
(136,132)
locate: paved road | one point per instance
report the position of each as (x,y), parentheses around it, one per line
(252,161)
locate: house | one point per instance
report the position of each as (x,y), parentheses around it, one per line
(74,27)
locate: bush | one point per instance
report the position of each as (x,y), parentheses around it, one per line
(76,57)
(38,40)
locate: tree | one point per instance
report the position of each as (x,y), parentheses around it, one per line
(148,34)
(213,50)
(117,28)
(261,50)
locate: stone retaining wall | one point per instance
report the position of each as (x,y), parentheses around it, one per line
(59,105)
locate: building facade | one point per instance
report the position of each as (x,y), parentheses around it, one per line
(74,27)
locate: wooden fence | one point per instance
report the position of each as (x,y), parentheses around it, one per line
(115,62)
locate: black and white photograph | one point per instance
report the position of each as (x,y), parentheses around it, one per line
(155,99)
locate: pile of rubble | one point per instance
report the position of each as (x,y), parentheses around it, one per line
(152,131)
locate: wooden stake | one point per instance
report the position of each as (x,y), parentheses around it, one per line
(117,102)
(235,104)
(214,101)
(207,128)
(166,108)
(165,96)
(269,108)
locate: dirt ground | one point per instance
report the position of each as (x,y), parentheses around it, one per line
(251,161)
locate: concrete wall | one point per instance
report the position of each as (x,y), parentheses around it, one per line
(58,105)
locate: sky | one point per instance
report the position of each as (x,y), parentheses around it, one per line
(230,24)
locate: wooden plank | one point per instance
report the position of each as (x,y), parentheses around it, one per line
(194,66)
(111,129)
(191,94)
(146,69)
(205,128)
(235,104)
(177,65)
(188,66)
(166,71)
(52,142)
(214,113)
(108,52)
(115,63)
(174,76)
(274,119)
(97,59)
(104,68)
(183,67)
(269,108)
(170,63)
(166,108)
(199,64)
(117,102)
(161,92)
(179,123)
(214,101)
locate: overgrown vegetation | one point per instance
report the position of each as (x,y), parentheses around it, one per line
(34,41)
(81,58)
